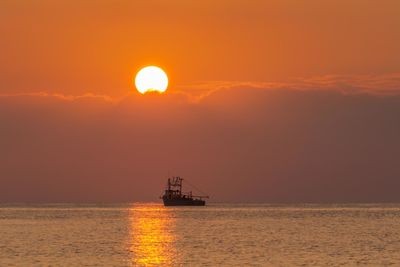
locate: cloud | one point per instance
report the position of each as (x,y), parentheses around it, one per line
(242,143)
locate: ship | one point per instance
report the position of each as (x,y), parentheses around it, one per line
(173,195)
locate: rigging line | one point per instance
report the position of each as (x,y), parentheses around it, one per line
(195,187)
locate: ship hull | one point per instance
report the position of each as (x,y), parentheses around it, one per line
(183,202)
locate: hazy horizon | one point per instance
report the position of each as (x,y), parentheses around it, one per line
(268,101)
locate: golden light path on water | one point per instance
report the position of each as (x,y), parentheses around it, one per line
(152,235)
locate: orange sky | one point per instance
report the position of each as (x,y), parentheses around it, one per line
(276,100)
(96,46)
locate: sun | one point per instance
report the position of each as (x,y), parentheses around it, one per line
(151,79)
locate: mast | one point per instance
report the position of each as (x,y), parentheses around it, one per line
(179,185)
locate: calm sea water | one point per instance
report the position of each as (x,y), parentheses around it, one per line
(215,235)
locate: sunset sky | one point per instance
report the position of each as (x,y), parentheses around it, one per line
(275,100)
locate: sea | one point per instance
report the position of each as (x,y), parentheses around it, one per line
(149,234)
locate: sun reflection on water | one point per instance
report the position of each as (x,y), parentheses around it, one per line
(152,235)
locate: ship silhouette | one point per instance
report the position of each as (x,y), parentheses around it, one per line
(173,195)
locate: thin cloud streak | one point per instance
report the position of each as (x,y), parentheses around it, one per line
(106,98)
(385,84)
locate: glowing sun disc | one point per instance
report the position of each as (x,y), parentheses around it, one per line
(150,79)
